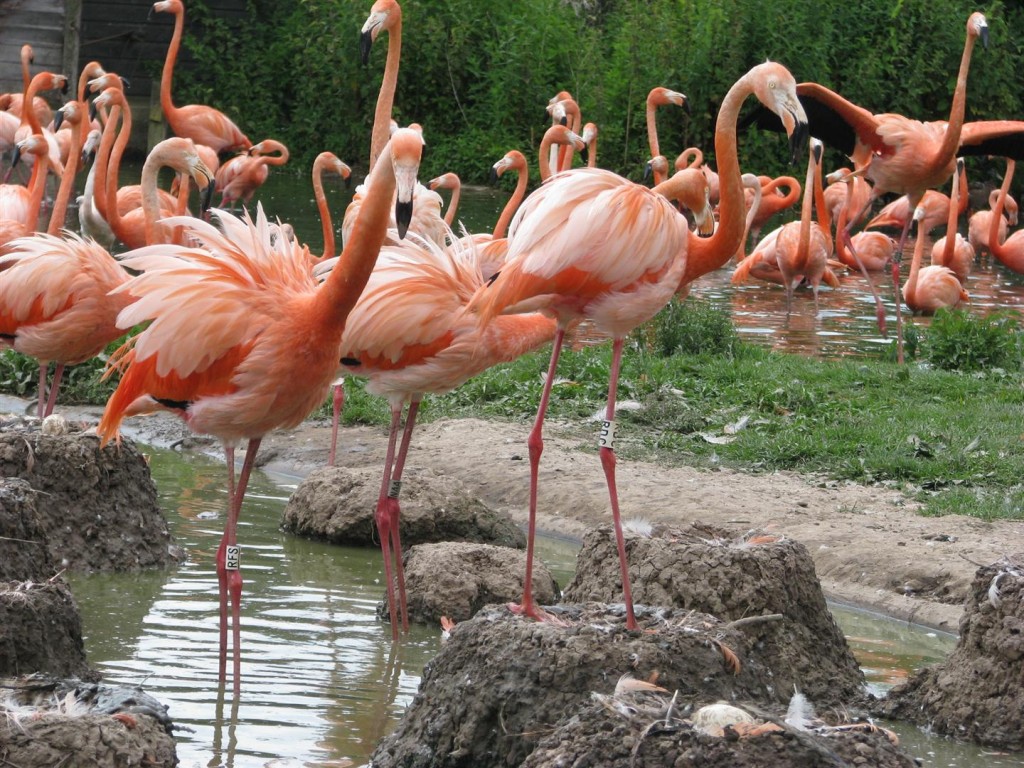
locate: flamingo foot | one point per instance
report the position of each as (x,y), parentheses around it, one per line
(535,612)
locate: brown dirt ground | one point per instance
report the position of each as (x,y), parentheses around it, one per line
(869,545)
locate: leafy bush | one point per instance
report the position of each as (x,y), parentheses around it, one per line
(958,340)
(694,327)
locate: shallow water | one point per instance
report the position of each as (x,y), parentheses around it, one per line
(321,682)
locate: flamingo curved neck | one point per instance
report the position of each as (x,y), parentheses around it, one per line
(386,97)
(998,249)
(501,228)
(168,74)
(951,138)
(113,215)
(323,207)
(67,181)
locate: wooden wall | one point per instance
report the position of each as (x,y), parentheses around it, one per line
(40,23)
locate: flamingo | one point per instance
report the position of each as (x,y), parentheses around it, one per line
(874,249)
(454,183)
(324,162)
(566,258)
(1011,252)
(240,177)
(802,247)
(408,335)
(385,16)
(243,340)
(980,223)
(953,250)
(660,97)
(848,190)
(936,209)
(896,153)
(19,205)
(589,136)
(931,288)
(773,201)
(199,122)
(53,290)
(30,124)
(565,112)
(43,111)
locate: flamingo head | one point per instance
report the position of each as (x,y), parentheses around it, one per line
(977,26)
(656,165)
(775,87)
(406,152)
(385,15)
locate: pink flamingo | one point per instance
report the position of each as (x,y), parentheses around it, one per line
(240,177)
(454,183)
(1011,252)
(931,288)
(953,250)
(565,258)
(242,338)
(979,225)
(660,97)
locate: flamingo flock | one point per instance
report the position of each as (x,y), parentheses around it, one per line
(245,330)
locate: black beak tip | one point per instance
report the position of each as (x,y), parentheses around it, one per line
(798,141)
(58,119)
(348,182)
(365,44)
(92,111)
(984,38)
(64,87)
(207,199)
(403,217)
(16,156)
(563,121)
(647,171)
(125,83)
(686,107)
(493,175)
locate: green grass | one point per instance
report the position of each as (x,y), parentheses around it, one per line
(952,438)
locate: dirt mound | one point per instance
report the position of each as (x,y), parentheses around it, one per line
(456,579)
(23,552)
(733,577)
(649,731)
(68,722)
(336,504)
(976,693)
(97,508)
(502,682)
(40,629)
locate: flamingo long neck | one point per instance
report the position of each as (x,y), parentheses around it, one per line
(652,129)
(150,196)
(26,78)
(997,212)
(824,216)
(501,228)
(844,217)
(804,241)
(963,192)
(28,113)
(323,207)
(101,161)
(792,190)
(67,180)
(691,157)
(346,281)
(954,214)
(751,182)
(453,204)
(910,287)
(545,149)
(386,96)
(37,188)
(113,215)
(951,139)
(166,104)
(709,253)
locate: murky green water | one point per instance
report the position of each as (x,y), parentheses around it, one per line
(321,681)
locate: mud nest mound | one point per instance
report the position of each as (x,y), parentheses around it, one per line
(649,730)
(97,508)
(24,555)
(502,682)
(712,571)
(977,693)
(46,723)
(336,504)
(456,579)
(40,629)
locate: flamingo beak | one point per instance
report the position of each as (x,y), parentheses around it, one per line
(58,119)
(403,216)
(648,170)
(798,140)
(983,32)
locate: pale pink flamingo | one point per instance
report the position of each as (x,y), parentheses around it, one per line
(773,200)
(1010,252)
(567,244)
(980,223)
(240,177)
(43,111)
(199,122)
(660,97)
(20,205)
(931,288)
(385,16)
(454,183)
(30,124)
(242,339)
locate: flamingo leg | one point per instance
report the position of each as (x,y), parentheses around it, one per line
(234,574)
(607,452)
(51,400)
(222,574)
(897,259)
(383,517)
(536,445)
(41,408)
(394,508)
(338,402)
(848,240)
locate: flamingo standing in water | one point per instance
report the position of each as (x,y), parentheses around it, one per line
(979,225)
(199,122)
(1010,252)
(566,258)
(660,97)
(242,338)
(240,177)
(953,250)
(931,288)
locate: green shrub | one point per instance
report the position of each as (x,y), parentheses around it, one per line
(958,340)
(694,327)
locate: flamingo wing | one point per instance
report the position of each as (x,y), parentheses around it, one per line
(1004,138)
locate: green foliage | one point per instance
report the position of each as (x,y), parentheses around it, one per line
(958,340)
(478,75)
(694,327)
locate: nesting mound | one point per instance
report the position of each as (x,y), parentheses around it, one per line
(97,508)
(456,579)
(336,504)
(40,629)
(708,570)
(502,682)
(24,555)
(648,730)
(977,692)
(67,722)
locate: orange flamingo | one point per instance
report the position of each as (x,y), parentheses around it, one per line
(660,97)
(565,258)
(773,201)
(953,250)
(324,162)
(385,16)
(408,335)
(54,291)
(454,183)
(240,177)
(931,288)
(564,112)
(874,249)
(980,223)
(199,122)
(936,209)
(589,136)
(43,111)
(846,190)
(802,247)
(30,124)
(1011,252)
(232,324)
